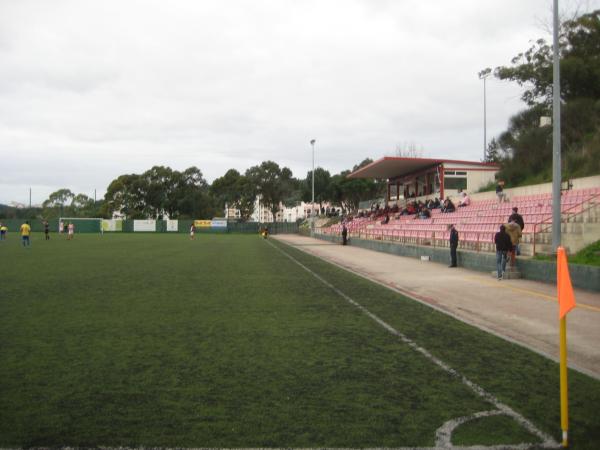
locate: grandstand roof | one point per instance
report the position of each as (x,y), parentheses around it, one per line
(392,166)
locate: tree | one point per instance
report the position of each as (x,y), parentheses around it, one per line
(349,192)
(273,184)
(409,150)
(59,198)
(322,186)
(58,203)
(235,191)
(126,194)
(160,191)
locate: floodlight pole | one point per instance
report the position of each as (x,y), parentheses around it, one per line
(312,210)
(483,76)
(556,163)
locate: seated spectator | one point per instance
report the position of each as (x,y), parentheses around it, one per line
(465,200)
(448,206)
(424,213)
(386,220)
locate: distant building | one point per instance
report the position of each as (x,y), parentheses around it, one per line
(285,214)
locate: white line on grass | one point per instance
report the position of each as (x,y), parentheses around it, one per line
(547,440)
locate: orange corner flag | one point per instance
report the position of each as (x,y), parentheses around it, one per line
(566,298)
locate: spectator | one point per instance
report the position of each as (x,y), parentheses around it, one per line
(516,217)
(465,200)
(514,231)
(424,213)
(344,234)
(386,220)
(503,247)
(453,245)
(500,192)
(448,206)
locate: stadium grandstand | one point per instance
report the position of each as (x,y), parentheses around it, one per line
(416,182)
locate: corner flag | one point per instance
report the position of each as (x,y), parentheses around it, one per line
(566,302)
(566,299)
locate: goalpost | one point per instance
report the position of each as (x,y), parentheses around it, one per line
(82,224)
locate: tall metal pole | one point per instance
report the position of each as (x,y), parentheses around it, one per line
(312,210)
(483,76)
(484,118)
(29,197)
(556,164)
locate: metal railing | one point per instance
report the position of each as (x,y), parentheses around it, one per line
(569,213)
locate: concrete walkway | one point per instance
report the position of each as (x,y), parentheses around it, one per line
(522,311)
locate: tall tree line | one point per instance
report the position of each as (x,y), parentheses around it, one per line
(163,192)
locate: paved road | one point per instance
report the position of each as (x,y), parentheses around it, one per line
(523,311)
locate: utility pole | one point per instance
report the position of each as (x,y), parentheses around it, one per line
(483,76)
(556,163)
(312,209)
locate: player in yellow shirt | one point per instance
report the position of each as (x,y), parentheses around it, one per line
(3,231)
(25,232)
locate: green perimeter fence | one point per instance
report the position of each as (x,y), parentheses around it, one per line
(161,226)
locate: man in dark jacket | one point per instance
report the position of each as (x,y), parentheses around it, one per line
(516,217)
(503,246)
(453,245)
(344,234)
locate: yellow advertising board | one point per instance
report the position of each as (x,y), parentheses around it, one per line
(202,223)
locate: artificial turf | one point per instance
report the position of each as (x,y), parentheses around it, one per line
(156,340)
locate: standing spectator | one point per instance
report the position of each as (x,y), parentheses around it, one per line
(46,230)
(25,232)
(500,192)
(192,231)
(514,231)
(3,230)
(344,234)
(518,219)
(453,245)
(70,231)
(503,247)
(61,227)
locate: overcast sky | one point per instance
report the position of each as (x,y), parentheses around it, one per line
(90,90)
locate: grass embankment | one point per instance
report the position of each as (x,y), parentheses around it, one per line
(589,256)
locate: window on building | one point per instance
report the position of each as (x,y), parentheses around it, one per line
(455,182)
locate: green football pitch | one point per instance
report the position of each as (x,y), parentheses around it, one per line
(153,340)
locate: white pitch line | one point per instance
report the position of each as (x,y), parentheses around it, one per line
(547,441)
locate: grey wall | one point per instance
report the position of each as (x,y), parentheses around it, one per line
(583,277)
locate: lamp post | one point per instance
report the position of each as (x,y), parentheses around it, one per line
(312,209)
(483,76)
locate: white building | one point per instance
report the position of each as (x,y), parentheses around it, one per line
(285,214)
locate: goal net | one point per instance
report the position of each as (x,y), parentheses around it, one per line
(81,224)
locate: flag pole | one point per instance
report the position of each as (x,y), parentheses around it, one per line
(564,395)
